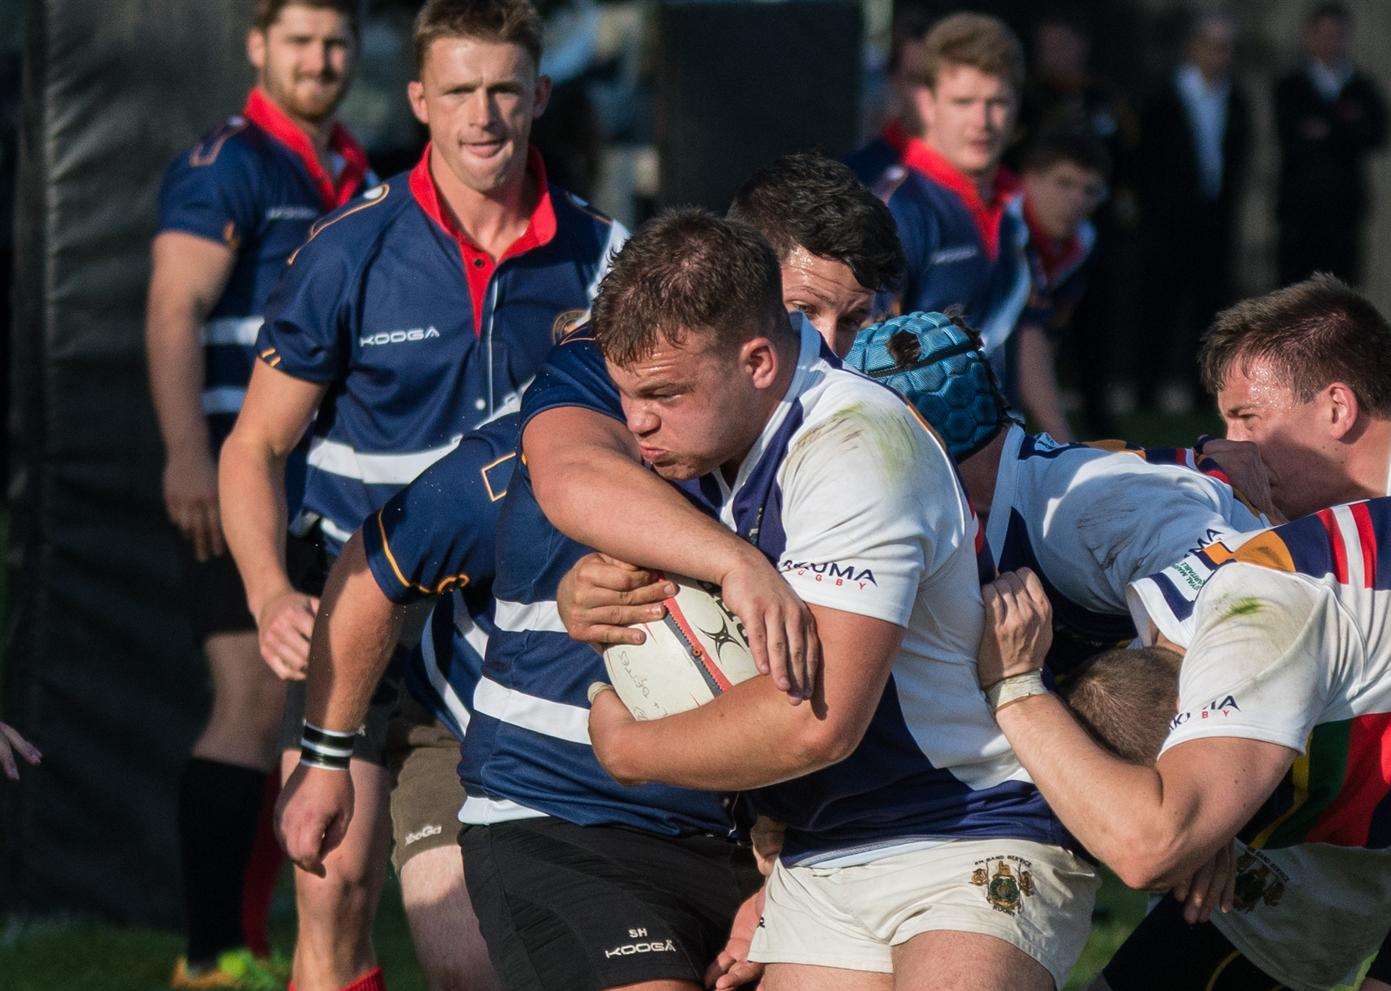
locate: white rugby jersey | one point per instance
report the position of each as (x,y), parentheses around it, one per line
(1289,641)
(1090,520)
(858,502)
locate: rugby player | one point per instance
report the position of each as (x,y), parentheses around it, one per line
(938,168)
(1064,178)
(906,790)
(1304,374)
(1280,737)
(527,733)
(409,316)
(1088,520)
(232,209)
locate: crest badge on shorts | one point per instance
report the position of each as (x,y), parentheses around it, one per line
(1008,886)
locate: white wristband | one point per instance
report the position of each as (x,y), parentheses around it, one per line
(1014,689)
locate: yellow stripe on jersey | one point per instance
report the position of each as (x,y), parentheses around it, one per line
(445,584)
(377,195)
(493,495)
(1266,550)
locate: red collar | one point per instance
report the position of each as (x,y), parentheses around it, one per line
(1054,255)
(479,266)
(263,112)
(917,155)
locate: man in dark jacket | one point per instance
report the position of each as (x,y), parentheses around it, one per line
(1195,137)
(1329,117)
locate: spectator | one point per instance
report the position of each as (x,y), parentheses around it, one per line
(1329,117)
(1064,174)
(1064,92)
(1194,142)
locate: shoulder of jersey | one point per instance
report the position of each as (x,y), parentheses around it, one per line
(233,142)
(354,227)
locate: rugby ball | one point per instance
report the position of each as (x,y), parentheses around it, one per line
(697,651)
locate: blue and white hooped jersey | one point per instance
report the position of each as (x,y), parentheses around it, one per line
(1091,520)
(960,251)
(435,539)
(527,750)
(247,186)
(857,502)
(418,335)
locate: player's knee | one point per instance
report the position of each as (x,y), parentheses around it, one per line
(338,898)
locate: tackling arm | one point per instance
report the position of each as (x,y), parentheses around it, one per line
(747,738)
(584,466)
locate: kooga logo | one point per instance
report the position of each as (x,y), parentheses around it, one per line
(397,336)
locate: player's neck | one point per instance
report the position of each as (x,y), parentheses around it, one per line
(1369,461)
(319,132)
(983,181)
(491,220)
(978,474)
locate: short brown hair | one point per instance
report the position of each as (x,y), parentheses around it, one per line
(1126,699)
(267,12)
(513,22)
(806,200)
(978,40)
(1312,333)
(685,270)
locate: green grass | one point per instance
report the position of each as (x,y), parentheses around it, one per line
(76,955)
(92,956)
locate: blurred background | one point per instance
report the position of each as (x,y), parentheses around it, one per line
(656,103)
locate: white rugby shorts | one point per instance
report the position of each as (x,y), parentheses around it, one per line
(1033,896)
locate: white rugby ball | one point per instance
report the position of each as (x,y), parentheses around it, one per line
(694,653)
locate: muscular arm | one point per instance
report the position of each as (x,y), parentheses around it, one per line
(355,633)
(277,410)
(188,276)
(590,483)
(1153,826)
(748,737)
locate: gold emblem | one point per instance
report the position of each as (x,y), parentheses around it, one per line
(1004,890)
(1256,884)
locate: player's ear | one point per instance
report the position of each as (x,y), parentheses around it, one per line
(415,94)
(1343,408)
(759,359)
(256,49)
(542,97)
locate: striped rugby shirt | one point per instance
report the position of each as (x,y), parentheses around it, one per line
(1090,519)
(254,184)
(418,335)
(1288,633)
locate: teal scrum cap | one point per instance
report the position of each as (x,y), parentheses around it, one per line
(937,365)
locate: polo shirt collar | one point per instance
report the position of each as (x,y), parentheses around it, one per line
(262,111)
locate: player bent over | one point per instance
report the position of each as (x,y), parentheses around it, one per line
(1087,519)
(232,210)
(908,793)
(1280,737)
(410,316)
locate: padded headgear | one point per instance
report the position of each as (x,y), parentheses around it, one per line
(937,365)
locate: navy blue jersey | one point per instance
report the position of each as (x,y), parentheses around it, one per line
(418,336)
(435,538)
(527,749)
(961,251)
(1058,272)
(255,185)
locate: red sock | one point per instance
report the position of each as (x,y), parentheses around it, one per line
(262,869)
(370,981)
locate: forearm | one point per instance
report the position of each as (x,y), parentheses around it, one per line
(1038,383)
(1115,809)
(251,491)
(355,632)
(174,355)
(749,737)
